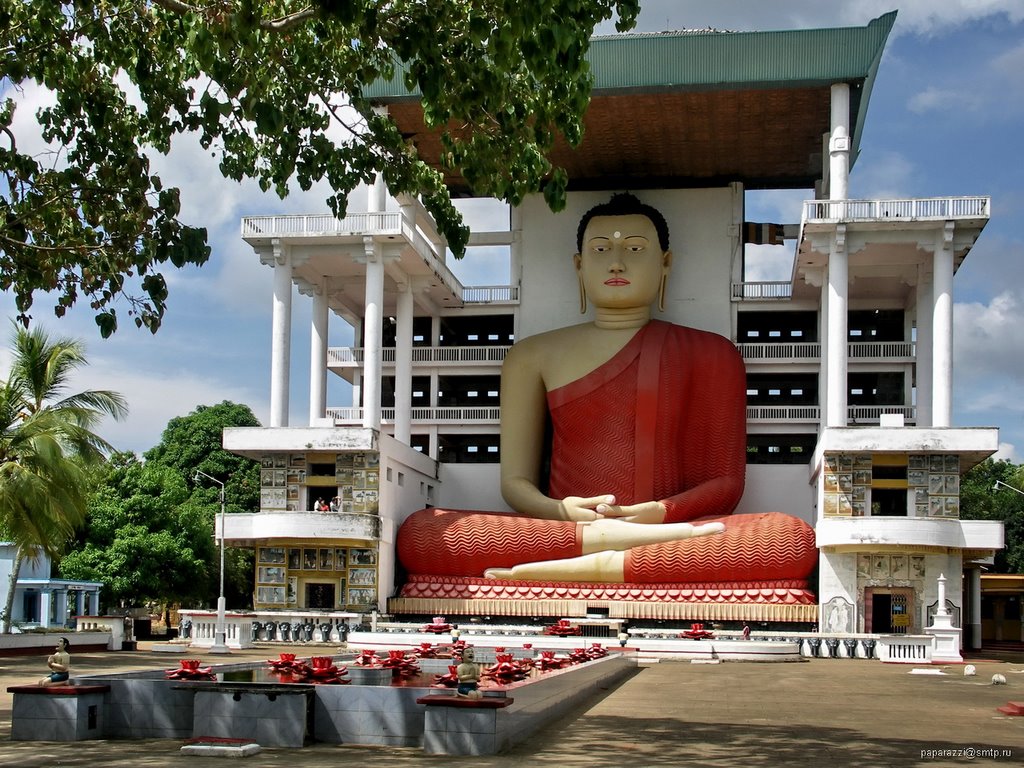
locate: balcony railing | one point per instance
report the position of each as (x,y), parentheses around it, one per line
(490,294)
(787,413)
(467,414)
(768,290)
(913,209)
(354,356)
(782,352)
(882,350)
(811,350)
(872,414)
(377,223)
(856,414)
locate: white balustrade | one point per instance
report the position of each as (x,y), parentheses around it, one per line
(440,415)
(906,649)
(934,208)
(203,629)
(354,356)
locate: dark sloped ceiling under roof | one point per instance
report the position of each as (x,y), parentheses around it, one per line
(680,110)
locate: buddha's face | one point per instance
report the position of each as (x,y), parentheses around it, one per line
(621,263)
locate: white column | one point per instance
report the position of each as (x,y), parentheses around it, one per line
(403,363)
(942,330)
(318,354)
(377,195)
(357,389)
(837,364)
(60,607)
(974,600)
(839,143)
(924,346)
(823,390)
(280,338)
(373,333)
(45,603)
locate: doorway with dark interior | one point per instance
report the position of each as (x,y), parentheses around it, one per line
(320,596)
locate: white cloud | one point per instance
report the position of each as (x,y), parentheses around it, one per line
(767,263)
(1008,452)
(157,396)
(881,175)
(988,357)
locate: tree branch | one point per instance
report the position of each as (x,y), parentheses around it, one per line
(282,24)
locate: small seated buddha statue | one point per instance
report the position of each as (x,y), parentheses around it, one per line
(644,424)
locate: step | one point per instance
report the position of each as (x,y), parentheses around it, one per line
(217,746)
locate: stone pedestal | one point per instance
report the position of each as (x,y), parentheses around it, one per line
(947,637)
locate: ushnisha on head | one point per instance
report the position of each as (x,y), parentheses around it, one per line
(623,259)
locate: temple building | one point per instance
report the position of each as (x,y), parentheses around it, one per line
(848,361)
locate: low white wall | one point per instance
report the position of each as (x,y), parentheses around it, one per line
(46,641)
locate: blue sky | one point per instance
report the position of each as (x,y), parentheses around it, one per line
(945,119)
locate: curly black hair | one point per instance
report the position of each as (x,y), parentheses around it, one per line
(624,204)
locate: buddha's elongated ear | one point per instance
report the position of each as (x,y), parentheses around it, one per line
(666,267)
(577,261)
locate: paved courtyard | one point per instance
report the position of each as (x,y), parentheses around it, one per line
(822,712)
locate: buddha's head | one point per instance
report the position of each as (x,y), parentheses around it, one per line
(622,258)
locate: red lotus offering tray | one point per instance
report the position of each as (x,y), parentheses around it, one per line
(438,626)
(697,632)
(190,670)
(562,629)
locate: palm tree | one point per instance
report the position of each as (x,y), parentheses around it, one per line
(47,444)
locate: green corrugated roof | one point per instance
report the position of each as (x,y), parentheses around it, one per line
(688,60)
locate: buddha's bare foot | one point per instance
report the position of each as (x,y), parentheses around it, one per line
(621,535)
(498,573)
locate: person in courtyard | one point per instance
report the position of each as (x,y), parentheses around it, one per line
(647,447)
(59,663)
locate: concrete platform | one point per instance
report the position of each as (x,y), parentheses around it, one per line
(840,712)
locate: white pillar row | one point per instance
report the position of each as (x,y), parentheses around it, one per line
(839,143)
(942,329)
(974,600)
(373,333)
(280,337)
(318,354)
(923,350)
(838,346)
(403,363)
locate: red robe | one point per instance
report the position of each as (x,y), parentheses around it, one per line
(664,419)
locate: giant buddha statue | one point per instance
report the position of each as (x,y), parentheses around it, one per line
(623,445)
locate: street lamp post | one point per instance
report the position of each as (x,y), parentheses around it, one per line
(1000,484)
(220,631)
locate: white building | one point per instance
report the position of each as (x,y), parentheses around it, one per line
(849,362)
(40,601)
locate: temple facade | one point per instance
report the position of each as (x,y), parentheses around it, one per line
(849,360)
